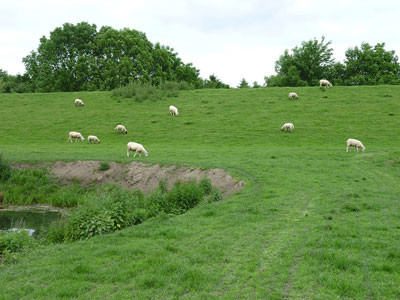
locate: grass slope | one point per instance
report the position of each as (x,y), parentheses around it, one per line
(313,222)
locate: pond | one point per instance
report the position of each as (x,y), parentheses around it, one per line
(35,222)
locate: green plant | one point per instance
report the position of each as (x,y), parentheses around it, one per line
(104,166)
(205,184)
(214,196)
(13,241)
(183,197)
(163,185)
(56,232)
(5,169)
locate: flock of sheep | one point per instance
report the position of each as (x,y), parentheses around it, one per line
(139,149)
(131,146)
(290,127)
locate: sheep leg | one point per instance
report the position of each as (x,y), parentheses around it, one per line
(347,148)
(135,154)
(127,153)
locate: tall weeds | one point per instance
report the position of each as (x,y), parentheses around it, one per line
(142,91)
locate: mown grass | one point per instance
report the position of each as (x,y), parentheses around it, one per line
(313,222)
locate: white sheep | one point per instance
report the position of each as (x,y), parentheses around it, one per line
(293,95)
(121,128)
(93,138)
(79,102)
(138,148)
(325,83)
(75,135)
(354,143)
(173,110)
(287,127)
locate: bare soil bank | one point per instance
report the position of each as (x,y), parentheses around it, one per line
(137,175)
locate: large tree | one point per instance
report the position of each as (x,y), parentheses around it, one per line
(370,65)
(305,65)
(78,57)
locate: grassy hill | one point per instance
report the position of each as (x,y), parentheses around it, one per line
(313,222)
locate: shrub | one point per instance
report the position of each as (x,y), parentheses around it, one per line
(104,166)
(111,209)
(13,241)
(205,184)
(214,196)
(182,198)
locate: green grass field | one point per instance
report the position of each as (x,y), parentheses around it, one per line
(313,222)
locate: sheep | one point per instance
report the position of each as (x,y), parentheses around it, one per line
(138,148)
(121,128)
(173,110)
(325,83)
(79,102)
(356,144)
(93,138)
(76,136)
(287,127)
(293,95)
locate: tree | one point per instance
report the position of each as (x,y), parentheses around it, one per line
(256,85)
(214,83)
(14,83)
(78,57)
(306,65)
(243,84)
(63,62)
(371,65)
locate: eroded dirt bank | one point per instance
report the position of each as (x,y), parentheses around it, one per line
(137,175)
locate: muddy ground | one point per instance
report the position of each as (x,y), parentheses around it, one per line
(137,175)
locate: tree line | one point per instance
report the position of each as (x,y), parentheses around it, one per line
(312,61)
(80,57)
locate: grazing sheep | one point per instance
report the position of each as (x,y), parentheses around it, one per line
(293,95)
(79,102)
(354,143)
(121,128)
(93,138)
(173,110)
(325,83)
(138,148)
(287,127)
(76,136)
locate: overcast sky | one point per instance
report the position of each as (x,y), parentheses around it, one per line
(231,39)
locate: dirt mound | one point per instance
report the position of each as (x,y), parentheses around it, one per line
(137,175)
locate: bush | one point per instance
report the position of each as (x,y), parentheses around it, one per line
(5,169)
(109,210)
(182,198)
(104,166)
(205,184)
(214,196)
(13,241)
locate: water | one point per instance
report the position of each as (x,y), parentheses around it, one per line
(35,222)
